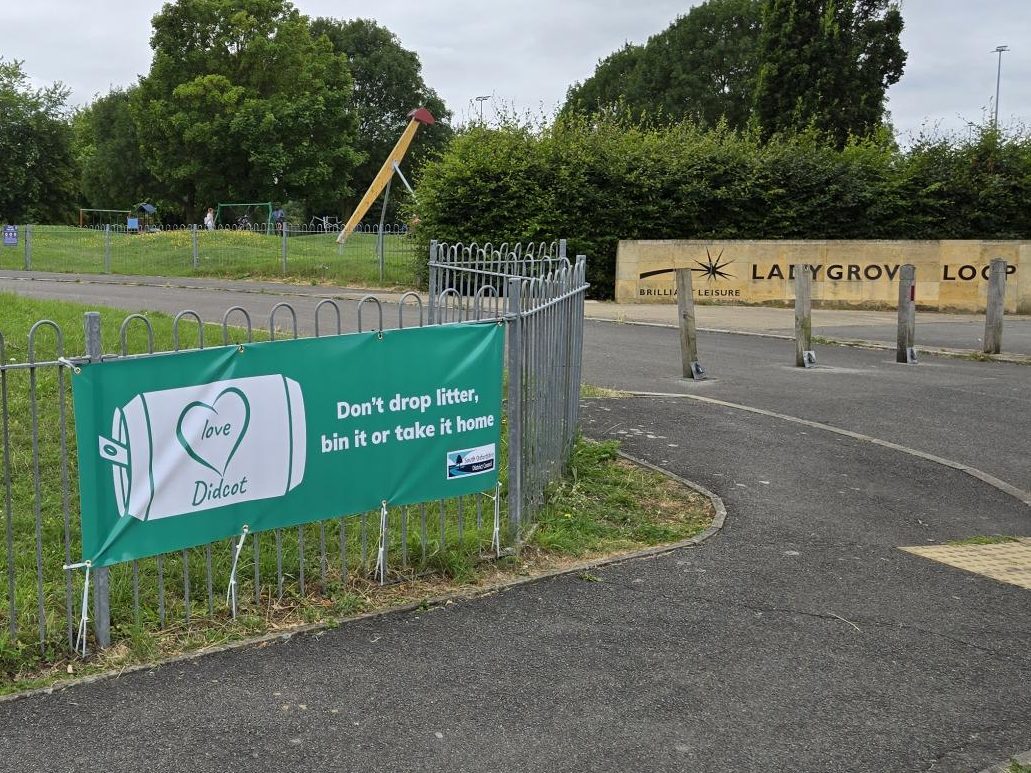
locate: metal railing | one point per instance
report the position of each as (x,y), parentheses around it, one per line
(543,295)
(304,251)
(543,313)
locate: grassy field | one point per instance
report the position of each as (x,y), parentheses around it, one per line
(222,253)
(178,602)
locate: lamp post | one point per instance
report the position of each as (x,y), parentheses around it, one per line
(998,76)
(481,100)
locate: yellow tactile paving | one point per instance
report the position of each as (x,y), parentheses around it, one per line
(1004,561)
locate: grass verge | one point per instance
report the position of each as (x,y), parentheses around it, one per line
(313,257)
(588,390)
(989,539)
(176,604)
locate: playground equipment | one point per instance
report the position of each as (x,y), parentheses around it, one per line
(144,220)
(97,218)
(247,216)
(385,176)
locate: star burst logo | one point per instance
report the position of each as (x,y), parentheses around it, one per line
(712,269)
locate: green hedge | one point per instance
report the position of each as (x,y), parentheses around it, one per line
(597,183)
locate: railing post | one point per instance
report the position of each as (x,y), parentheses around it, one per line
(995,307)
(431,311)
(581,275)
(101,582)
(283,224)
(28,246)
(515,407)
(107,248)
(196,246)
(688,331)
(804,355)
(904,351)
(562,248)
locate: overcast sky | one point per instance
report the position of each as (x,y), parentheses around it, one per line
(526,53)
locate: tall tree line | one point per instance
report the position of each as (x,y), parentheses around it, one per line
(767,65)
(245,100)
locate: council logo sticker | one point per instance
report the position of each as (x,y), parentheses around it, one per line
(470,461)
(179,451)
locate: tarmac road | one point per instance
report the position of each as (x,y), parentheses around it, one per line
(798,639)
(933,329)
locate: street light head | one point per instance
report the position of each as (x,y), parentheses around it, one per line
(1000,49)
(481,99)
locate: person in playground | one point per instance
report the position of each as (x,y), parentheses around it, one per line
(279,216)
(209,219)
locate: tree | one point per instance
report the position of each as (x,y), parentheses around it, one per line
(827,64)
(615,83)
(388,85)
(37,176)
(242,104)
(701,67)
(114,175)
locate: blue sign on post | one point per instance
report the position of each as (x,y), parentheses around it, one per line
(10,236)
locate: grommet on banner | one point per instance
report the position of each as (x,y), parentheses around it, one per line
(231,593)
(240,348)
(80,637)
(381,550)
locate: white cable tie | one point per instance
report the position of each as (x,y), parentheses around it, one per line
(80,638)
(231,592)
(381,550)
(495,540)
(68,364)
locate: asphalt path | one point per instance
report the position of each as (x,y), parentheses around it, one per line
(962,333)
(212,298)
(799,639)
(976,413)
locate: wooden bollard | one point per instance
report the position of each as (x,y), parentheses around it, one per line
(688,333)
(804,355)
(905,351)
(995,307)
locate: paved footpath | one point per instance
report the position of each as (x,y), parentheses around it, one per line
(798,639)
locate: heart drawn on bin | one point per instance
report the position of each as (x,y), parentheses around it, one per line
(211,434)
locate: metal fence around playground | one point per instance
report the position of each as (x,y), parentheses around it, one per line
(535,292)
(303,251)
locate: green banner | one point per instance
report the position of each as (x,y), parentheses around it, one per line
(178,450)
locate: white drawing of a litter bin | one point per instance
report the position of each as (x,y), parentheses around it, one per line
(184,450)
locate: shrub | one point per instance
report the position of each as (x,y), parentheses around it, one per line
(596,181)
